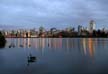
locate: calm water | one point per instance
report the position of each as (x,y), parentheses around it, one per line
(55,56)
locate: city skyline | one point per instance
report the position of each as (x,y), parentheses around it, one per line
(49,13)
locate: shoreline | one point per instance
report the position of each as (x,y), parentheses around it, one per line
(56,37)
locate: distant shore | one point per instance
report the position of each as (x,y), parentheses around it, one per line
(58,37)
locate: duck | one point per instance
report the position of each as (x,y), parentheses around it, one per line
(31,58)
(9,46)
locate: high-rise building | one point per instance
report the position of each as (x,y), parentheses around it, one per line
(79,29)
(91,26)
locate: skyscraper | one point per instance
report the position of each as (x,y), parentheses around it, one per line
(91,26)
(79,29)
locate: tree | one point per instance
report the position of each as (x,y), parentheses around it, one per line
(2,41)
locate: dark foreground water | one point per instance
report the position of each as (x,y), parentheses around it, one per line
(54,56)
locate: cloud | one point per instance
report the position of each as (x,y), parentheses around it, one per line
(53,13)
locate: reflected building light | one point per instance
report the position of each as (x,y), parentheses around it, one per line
(43,43)
(35,42)
(24,42)
(18,42)
(67,45)
(14,42)
(48,42)
(91,47)
(52,46)
(84,46)
(55,43)
(52,43)
(60,44)
(28,42)
(40,45)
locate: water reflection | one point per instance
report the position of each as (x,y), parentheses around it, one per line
(88,45)
(91,47)
(55,56)
(84,45)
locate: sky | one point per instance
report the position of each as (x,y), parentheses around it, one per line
(52,13)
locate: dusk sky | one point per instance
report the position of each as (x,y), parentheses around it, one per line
(53,13)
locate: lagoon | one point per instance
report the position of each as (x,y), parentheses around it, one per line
(54,56)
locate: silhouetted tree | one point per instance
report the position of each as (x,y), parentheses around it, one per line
(2,41)
(94,33)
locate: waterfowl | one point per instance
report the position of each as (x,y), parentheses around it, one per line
(31,58)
